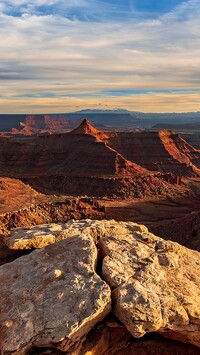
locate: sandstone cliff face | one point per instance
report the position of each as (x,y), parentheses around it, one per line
(64,155)
(162,151)
(68,162)
(154,283)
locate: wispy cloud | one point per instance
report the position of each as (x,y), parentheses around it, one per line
(71,48)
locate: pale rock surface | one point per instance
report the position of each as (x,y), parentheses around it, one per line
(51,297)
(43,235)
(155,283)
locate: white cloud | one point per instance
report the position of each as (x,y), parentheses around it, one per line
(59,55)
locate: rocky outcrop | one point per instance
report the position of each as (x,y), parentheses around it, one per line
(87,128)
(58,211)
(155,285)
(51,212)
(43,235)
(52,297)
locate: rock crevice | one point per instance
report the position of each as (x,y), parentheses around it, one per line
(53,296)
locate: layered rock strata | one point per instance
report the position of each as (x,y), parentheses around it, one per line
(92,162)
(164,151)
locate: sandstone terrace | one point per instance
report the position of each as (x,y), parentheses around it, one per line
(87,161)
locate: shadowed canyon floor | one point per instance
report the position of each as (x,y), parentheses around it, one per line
(176,218)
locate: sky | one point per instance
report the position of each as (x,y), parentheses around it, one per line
(69,55)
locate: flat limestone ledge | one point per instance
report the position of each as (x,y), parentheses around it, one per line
(43,235)
(51,297)
(156,285)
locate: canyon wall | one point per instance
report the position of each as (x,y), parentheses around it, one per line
(162,151)
(67,163)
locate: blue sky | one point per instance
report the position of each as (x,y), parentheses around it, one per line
(59,55)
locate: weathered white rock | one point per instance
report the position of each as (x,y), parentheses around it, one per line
(156,285)
(43,235)
(51,297)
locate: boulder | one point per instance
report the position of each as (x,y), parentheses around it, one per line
(43,235)
(155,283)
(52,297)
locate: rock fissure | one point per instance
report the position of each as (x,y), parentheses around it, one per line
(147,291)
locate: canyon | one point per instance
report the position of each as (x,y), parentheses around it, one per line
(83,205)
(87,161)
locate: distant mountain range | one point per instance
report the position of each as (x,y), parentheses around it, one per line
(118,119)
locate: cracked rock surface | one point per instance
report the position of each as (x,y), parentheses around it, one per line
(45,234)
(51,297)
(156,285)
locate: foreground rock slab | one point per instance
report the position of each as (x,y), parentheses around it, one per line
(43,235)
(156,285)
(51,297)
